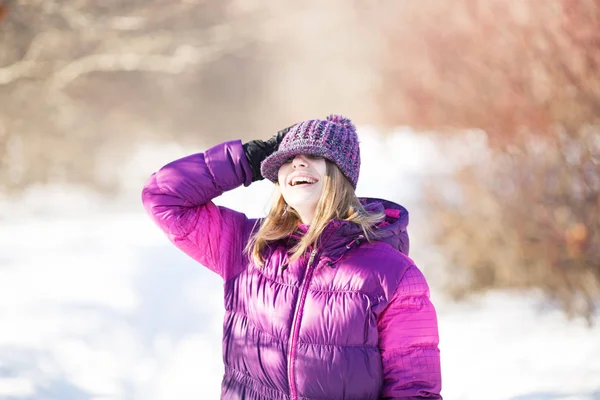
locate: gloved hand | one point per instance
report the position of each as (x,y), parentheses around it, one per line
(257,150)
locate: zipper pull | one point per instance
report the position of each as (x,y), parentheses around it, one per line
(312,257)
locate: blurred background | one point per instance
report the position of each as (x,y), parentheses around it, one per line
(482,117)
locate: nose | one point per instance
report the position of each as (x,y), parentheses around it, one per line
(299,161)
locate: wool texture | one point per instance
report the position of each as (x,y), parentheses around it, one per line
(334,138)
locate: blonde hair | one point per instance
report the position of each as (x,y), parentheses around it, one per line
(338,201)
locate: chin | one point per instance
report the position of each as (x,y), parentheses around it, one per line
(299,199)
(302,201)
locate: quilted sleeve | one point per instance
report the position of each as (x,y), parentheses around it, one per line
(408,340)
(179,199)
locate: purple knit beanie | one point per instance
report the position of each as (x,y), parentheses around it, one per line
(334,138)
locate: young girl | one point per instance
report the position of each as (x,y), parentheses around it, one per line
(321,299)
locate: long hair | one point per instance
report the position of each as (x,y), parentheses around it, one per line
(338,201)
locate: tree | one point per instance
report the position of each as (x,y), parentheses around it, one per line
(527,74)
(80,80)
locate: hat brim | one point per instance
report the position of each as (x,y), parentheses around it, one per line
(269,168)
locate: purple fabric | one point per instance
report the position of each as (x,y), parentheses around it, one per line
(355,324)
(334,138)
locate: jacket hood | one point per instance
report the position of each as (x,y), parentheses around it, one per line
(393,229)
(340,236)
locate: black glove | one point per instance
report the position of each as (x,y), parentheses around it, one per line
(257,150)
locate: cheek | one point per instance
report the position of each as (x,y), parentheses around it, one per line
(281,174)
(323,168)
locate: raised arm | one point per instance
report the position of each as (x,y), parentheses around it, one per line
(178,198)
(408,339)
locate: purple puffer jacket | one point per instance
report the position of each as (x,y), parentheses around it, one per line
(350,320)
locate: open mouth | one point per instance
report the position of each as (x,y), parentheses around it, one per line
(302,181)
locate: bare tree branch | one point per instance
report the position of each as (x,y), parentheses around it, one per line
(19,70)
(183,57)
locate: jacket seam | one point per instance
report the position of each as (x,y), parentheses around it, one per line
(340,291)
(245,256)
(339,345)
(409,349)
(256,326)
(186,235)
(422,296)
(207,162)
(399,284)
(273,280)
(257,382)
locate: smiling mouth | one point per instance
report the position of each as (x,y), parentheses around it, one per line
(302,181)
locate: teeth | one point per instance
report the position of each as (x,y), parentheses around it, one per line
(297,180)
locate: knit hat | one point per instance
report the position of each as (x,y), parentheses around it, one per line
(334,138)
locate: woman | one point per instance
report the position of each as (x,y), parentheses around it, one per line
(321,299)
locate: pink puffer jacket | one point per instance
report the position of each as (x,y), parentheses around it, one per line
(350,320)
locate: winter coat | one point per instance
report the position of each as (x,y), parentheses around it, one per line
(349,320)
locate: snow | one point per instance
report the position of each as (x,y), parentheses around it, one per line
(96,304)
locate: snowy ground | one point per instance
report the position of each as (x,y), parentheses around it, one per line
(96,304)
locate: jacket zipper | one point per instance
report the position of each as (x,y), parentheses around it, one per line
(296,326)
